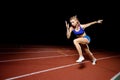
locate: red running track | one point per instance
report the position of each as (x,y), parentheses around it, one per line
(55,63)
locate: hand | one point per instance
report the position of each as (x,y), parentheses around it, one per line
(99,21)
(67,25)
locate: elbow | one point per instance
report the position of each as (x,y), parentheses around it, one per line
(68,37)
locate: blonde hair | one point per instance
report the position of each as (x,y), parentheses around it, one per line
(74,17)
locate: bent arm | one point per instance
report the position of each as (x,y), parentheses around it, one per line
(69,30)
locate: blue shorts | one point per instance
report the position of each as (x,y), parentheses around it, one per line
(87,38)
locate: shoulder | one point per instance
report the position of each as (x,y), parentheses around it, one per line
(82,26)
(71,28)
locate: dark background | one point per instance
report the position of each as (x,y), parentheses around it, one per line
(39,23)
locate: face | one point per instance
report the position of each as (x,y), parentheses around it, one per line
(73,22)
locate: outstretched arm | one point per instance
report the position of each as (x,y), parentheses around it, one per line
(91,23)
(69,30)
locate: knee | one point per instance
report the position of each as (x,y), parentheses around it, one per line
(75,42)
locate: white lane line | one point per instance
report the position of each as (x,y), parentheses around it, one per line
(60,52)
(116,76)
(30,51)
(42,71)
(37,58)
(108,57)
(55,68)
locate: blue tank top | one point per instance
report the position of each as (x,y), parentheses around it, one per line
(81,31)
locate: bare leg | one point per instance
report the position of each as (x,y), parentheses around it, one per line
(87,50)
(78,47)
(77,43)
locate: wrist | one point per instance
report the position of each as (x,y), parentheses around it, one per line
(96,21)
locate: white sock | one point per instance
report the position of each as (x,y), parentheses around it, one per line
(94,61)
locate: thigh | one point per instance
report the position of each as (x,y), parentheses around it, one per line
(82,40)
